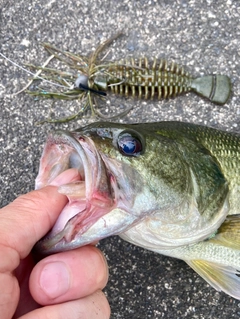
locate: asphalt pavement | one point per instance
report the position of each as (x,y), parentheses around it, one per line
(204,36)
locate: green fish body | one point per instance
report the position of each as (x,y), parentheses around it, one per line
(169,187)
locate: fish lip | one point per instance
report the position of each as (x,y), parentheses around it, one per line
(89,158)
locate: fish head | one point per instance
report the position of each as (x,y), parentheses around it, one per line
(129,175)
(110,196)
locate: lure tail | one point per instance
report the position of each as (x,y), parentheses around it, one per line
(216,88)
(222,270)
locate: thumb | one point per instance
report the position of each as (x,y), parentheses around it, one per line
(31,216)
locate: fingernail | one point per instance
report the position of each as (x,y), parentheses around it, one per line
(65,177)
(55,279)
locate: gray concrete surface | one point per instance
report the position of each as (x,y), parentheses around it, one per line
(204,35)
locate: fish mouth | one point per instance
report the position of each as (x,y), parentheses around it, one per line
(89,198)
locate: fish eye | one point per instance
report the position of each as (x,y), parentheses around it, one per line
(129,145)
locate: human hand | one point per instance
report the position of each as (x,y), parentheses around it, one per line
(64,285)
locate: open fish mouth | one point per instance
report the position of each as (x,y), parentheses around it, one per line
(98,205)
(90,198)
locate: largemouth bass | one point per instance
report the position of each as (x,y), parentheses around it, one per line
(169,187)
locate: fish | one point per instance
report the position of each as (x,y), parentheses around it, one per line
(95,82)
(169,187)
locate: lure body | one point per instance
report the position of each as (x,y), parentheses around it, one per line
(143,79)
(159,79)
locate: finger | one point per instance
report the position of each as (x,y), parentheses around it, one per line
(68,275)
(9,295)
(30,216)
(94,306)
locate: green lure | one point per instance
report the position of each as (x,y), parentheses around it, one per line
(135,78)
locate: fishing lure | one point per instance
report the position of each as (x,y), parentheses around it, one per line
(136,78)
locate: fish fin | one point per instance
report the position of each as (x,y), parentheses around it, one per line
(228,233)
(216,88)
(221,277)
